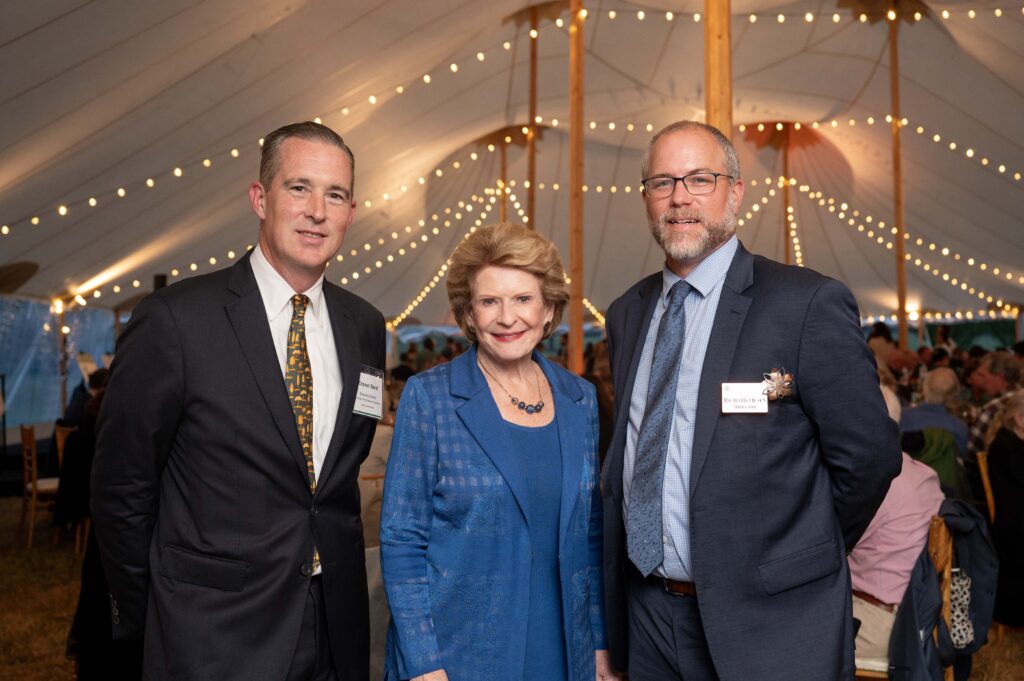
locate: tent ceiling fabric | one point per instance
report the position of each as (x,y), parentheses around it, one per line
(105,94)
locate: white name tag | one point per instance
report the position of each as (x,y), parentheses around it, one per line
(744,398)
(370,396)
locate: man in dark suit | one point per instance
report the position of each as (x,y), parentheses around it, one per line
(751,444)
(225,494)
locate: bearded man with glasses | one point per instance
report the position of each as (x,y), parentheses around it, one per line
(751,444)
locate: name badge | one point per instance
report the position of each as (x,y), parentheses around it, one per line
(744,398)
(370,396)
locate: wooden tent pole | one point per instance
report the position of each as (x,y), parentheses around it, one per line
(718,65)
(574,361)
(786,241)
(503,182)
(897,180)
(531,135)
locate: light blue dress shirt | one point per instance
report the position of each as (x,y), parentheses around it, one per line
(706,279)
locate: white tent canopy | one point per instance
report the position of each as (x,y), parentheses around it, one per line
(99,95)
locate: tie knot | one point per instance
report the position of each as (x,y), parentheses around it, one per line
(677,294)
(299,303)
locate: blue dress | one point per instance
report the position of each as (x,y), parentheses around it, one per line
(541,459)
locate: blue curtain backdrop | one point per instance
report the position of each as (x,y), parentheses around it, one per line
(30,359)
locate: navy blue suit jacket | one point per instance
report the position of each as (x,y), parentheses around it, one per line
(455,536)
(777,499)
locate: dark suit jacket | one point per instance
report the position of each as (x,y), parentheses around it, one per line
(777,499)
(200,497)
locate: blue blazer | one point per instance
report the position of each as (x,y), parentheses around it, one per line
(455,539)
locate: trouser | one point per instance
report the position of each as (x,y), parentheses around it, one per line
(666,636)
(875,629)
(312,660)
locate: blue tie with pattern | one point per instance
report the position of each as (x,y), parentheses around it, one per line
(644,523)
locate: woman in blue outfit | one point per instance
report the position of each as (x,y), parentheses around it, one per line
(490,524)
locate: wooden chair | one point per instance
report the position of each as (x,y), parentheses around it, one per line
(986,482)
(34,489)
(940,550)
(60,436)
(990,501)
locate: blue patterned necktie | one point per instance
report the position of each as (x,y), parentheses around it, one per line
(644,523)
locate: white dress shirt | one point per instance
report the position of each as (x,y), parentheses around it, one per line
(323,356)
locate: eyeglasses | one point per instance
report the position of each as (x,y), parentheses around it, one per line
(697,184)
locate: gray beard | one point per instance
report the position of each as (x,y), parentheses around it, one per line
(684,247)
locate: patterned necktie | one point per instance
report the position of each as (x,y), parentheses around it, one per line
(644,522)
(298,377)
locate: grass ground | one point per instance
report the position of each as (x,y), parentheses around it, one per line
(39,591)
(38,594)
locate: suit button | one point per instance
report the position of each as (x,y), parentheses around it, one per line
(306,569)
(314,511)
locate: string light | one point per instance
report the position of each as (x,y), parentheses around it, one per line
(65,207)
(946,316)
(480,56)
(464,208)
(437,218)
(791,225)
(876,232)
(420,297)
(756,206)
(594,311)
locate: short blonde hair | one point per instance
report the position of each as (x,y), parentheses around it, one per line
(506,245)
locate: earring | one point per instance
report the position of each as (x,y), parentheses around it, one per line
(547,326)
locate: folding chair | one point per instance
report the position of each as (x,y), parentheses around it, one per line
(990,501)
(34,489)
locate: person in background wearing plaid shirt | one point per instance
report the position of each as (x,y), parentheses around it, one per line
(998,377)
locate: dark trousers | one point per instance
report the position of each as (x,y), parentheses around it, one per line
(666,637)
(312,660)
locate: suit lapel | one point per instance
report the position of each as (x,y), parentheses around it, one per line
(637,322)
(482,419)
(248,318)
(573,429)
(346,344)
(725,334)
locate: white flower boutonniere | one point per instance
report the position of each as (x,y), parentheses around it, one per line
(778,384)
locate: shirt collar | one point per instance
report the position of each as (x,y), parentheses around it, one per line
(708,274)
(277,293)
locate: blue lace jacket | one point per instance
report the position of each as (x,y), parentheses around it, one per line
(455,544)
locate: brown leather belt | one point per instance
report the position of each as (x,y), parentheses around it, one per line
(679,588)
(888,607)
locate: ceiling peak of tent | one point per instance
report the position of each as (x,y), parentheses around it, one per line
(15,275)
(781,135)
(515,135)
(542,10)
